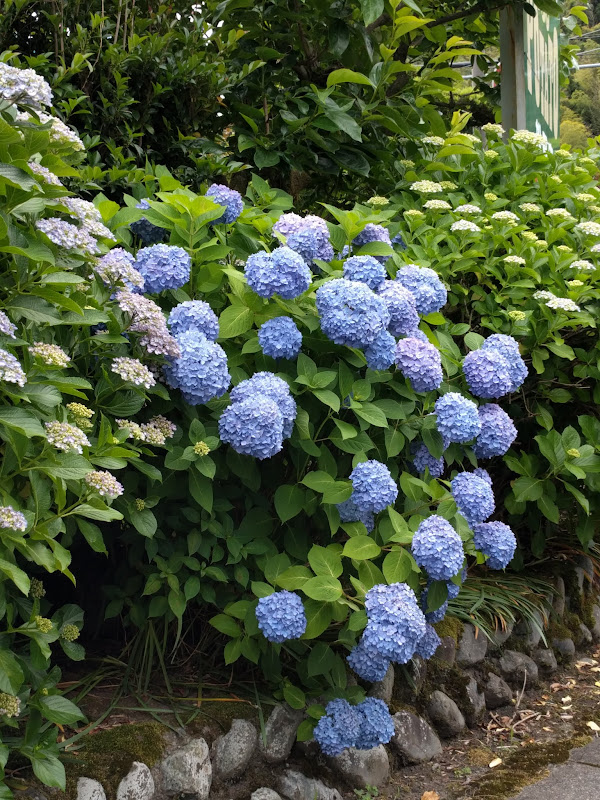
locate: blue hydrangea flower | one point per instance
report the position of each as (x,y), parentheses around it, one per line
(398,241)
(281,272)
(417,334)
(372,233)
(200,372)
(421,363)
(351,313)
(423,460)
(253,426)
(429,292)
(509,348)
(401,306)
(350,512)
(433,616)
(438,548)
(497,541)
(147,231)
(484,475)
(487,373)
(368,664)
(232,200)
(311,239)
(473,496)
(194,315)
(377,726)
(454,588)
(281,616)
(339,728)
(380,353)
(365,269)
(163,266)
(280,338)
(429,643)
(373,486)
(276,389)
(497,432)
(457,418)
(396,623)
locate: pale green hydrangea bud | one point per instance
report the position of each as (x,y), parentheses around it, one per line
(201,449)
(70,633)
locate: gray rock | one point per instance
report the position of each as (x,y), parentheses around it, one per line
(363,768)
(188,771)
(280,733)
(476,704)
(558,600)
(445,714)
(296,786)
(88,789)
(472,647)
(383,689)
(587,565)
(447,650)
(138,784)
(596,617)
(407,690)
(545,659)
(232,752)
(414,740)
(529,631)
(265,794)
(496,691)
(566,647)
(500,636)
(518,668)
(585,634)
(581,579)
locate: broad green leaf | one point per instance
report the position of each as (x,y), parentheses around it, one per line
(347,76)
(325,561)
(234,321)
(289,501)
(361,548)
(397,566)
(11,674)
(58,709)
(323,587)
(226,625)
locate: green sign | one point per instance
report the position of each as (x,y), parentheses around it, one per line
(542,93)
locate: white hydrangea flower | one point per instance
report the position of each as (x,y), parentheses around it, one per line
(591,228)
(530,208)
(44,173)
(406,162)
(467,208)
(559,213)
(594,209)
(493,128)
(490,197)
(529,236)
(490,154)
(465,225)
(596,248)
(562,304)
(587,160)
(426,187)
(580,170)
(471,137)
(437,141)
(542,244)
(413,212)
(585,197)
(563,153)
(542,294)
(583,265)
(528,137)
(24,86)
(554,179)
(575,284)
(514,260)
(60,134)
(448,186)
(564,248)
(505,216)
(437,205)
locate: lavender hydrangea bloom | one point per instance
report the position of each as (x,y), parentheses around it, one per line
(10,369)
(368,664)
(402,308)
(380,353)
(200,372)
(265,383)
(232,200)
(497,432)
(365,269)
(484,475)
(65,234)
(423,460)
(311,239)
(398,241)
(433,616)
(280,338)
(11,518)
(373,486)
(116,267)
(497,541)
(417,334)
(429,292)
(396,623)
(146,230)
(429,643)
(147,319)
(338,729)
(372,233)
(163,266)
(281,616)
(376,727)
(420,362)
(253,427)
(487,373)
(281,272)
(351,313)
(438,548)
(288,223)
(7,328)
(473,496)
(194,315)
(350,512)
(509,348)
(457,418)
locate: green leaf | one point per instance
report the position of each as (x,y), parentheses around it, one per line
(325,561)
(60,710)
(102,512)
(294,697)
(318,615)
(92,535)
(371,10)
(11,674)
(323,587)
(226,625)
(144,522)
(361,548)
(48,769)
(397,566)
(347,76)
(548,508)
(337,492)
(294,578)
(319,481)
(474,340)
(320,660)
(201,490)
(234,321)
(528,489)
(372,414)
(348,431)
(289,501)
(23,421)
(329,398)
(17,576)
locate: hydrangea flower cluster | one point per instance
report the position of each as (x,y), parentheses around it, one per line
(200,372)
(60,134)
(70,633)
(281,616)
(7,328)
(148,320)
(350,512)
(163,266)
(428,643)
(367,663)
(194,315)
(81,414)
(351,313)
(283,272)
(497,432)
(487,373)
(562,304)
(24,86)
(423,460)
(381,353)
(465,225)
(433,616)
(363,726)
(308,236)
(133,371)
(496,541)
(268,384)
(457,418)
(230,199)
(401,306)
(104,483)
(437,205)
(146,230)
(116,268)
(10,369)
(365,269)
(66,437)
(44,173)
(10,518)
(426,187)
(50,354)
(508,217)
(429,292)
(467,208)
(589,228)
(65,234)
(473,496)
(10,706)
(583,265)
(438,548)
(156,431)
(420,362)
(280,338)
(528,137)
(372,233)
(509,349)
(373,487)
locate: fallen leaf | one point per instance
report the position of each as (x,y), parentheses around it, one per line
(592,725)
(495,763)
(430,796)
(566,699)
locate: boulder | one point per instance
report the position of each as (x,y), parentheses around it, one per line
(517,668)
(294,785)
(585,634)
(472,647)
(407,690)
(414,739)
(363,768)
(558,599)
(232,752)
(545,659)
(280,733)
(475,704)
(586,564)
(383,689)
(265,794)
(496,691)
(446,651)
(596,626)
(565,647)
(188,771)
(445,714)
(88,789)
(530,631)
(138,784)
